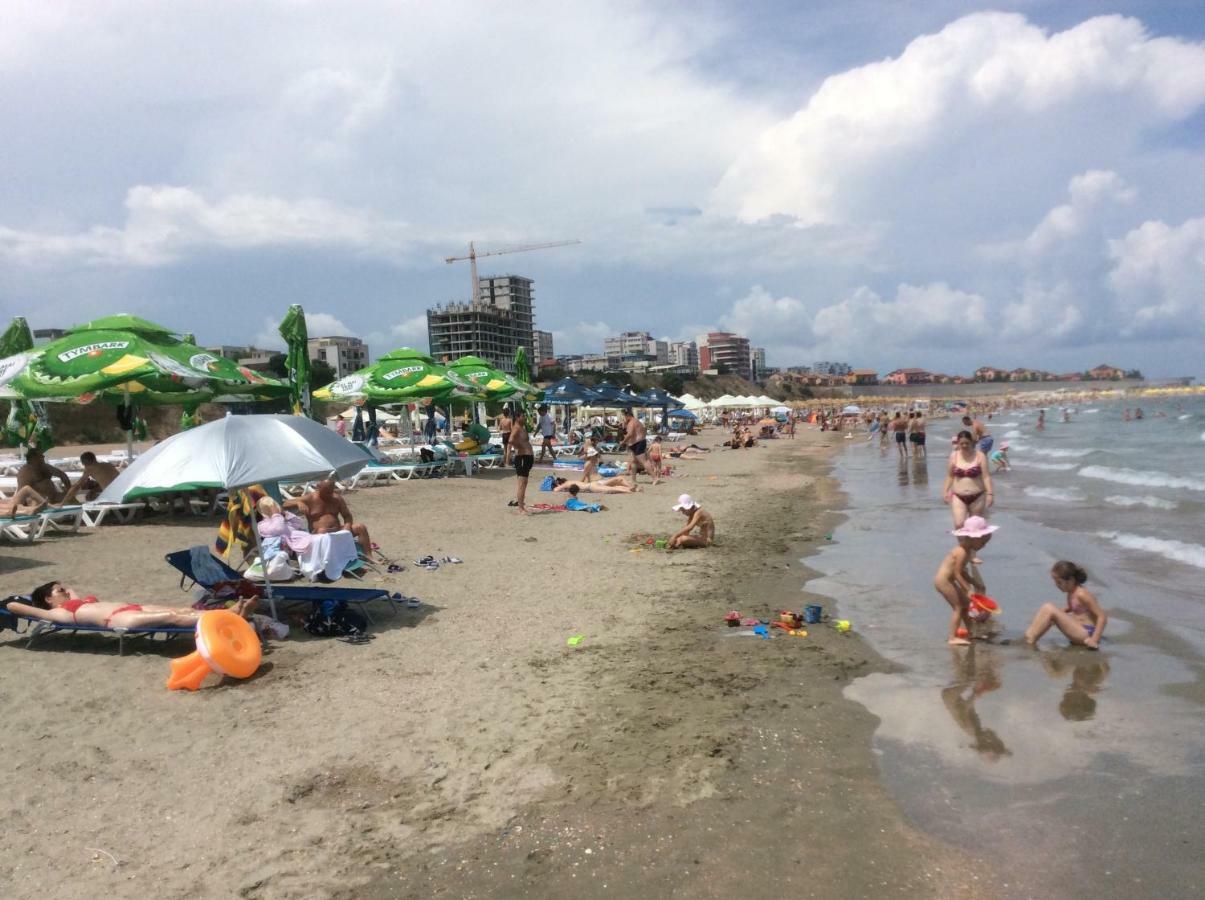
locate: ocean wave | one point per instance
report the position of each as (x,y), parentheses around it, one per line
(1185,416)
(1086,411)
(1141,478)
(1046,467)
(1005,424)
(1012,434)
(1062,454)
(1147,500)
(1193,554)
(1065,495)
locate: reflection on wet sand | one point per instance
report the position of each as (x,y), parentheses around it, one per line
(913,470)
(974,675)
(1088,673)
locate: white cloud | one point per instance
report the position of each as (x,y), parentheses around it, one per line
(317,324)
(1049,314)
(164,222)
(584,337)
(1088,192)
(971,97)
(1157,279)
(919,316)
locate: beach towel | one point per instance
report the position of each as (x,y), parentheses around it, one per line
(548,507)
(575,505)
(328,555)
(237,529)
(204,567)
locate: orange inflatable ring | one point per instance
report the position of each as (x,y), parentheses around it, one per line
(226,644)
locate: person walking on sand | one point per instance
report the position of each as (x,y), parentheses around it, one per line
(698,519)
(635,437)
(520,444)
(1082,620)
(956,576)
(547,430)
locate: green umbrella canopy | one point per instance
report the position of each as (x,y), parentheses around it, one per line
(400,376)
(491,384)
(118,354)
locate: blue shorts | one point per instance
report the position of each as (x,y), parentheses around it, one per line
(985,443)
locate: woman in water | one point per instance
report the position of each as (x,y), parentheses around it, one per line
(1082,620)
(55,602)
(968,486)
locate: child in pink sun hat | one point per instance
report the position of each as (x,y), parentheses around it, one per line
(957,576)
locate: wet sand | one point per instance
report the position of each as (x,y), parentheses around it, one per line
(468,751)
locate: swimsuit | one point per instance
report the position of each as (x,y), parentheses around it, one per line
(639,447)
(899,436)
(129,607)
(523,464)
(970,498)
(72,606)
(973,472)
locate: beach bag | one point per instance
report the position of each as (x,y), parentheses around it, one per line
(548,483)
(332,618)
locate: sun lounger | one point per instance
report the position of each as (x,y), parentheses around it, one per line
(208,575)
(34,628)
(121,513)
(27,529)
(407,471)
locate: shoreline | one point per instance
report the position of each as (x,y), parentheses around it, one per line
(467,751)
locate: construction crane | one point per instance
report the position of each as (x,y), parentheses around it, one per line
(473,254)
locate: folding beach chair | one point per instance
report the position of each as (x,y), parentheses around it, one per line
(31,628)
(198,566)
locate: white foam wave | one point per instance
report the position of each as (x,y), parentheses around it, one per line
(1012,434)
(1047,467)
(1086,411)
(1065,495)
(1141,478)
(1193,554)
(1061,454)
(1185,416)
(1006,424)
(1146,500)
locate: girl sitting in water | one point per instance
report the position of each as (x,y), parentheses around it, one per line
(1082,621)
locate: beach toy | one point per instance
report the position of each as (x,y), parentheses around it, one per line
(733,619)
(842,625)
(812,613)
(762,631)
(982,608)
(829,536)
(226,644)
(661,543)
(797,632)
(575,640)
(962,632)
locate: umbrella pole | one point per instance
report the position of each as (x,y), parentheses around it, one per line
(130,430)
(263,563)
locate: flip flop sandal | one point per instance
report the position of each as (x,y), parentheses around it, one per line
(425,561)
(394,567)
(413,603)
(432,566)
(451,559)
(361,638)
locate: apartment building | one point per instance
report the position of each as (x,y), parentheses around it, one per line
(342,353)
(722,348)
(493,326)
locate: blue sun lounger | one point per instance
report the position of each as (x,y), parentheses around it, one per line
(34,628)
(182,561)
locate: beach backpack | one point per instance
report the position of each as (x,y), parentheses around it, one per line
(548,483)
(332,618)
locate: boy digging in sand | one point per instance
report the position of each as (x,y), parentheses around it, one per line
(956,576)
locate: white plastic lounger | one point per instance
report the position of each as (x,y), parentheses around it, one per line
(121,513)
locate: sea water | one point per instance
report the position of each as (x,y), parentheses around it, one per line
(1077,773)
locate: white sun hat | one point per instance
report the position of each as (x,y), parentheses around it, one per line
(685,501)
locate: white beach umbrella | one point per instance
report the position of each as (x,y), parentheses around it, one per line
(784,410)
(237,452)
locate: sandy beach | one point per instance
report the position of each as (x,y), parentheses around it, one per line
(469,751)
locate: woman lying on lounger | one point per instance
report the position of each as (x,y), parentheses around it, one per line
(616,485)
(25,502)
(55,602)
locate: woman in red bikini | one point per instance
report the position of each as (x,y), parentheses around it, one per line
(968,487)
(55,602)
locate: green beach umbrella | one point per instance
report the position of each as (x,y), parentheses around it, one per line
(491,384)
(522,372)
(400,376)
(27,424)
(297,361)
(130,360)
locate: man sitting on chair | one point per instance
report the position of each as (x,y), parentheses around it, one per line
(326,511)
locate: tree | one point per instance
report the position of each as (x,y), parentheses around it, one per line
(721,369)
(1135,375)
(672,383)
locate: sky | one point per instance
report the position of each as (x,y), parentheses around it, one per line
(943,185)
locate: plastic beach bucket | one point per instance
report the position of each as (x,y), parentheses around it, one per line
(982,607)
(811,614)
